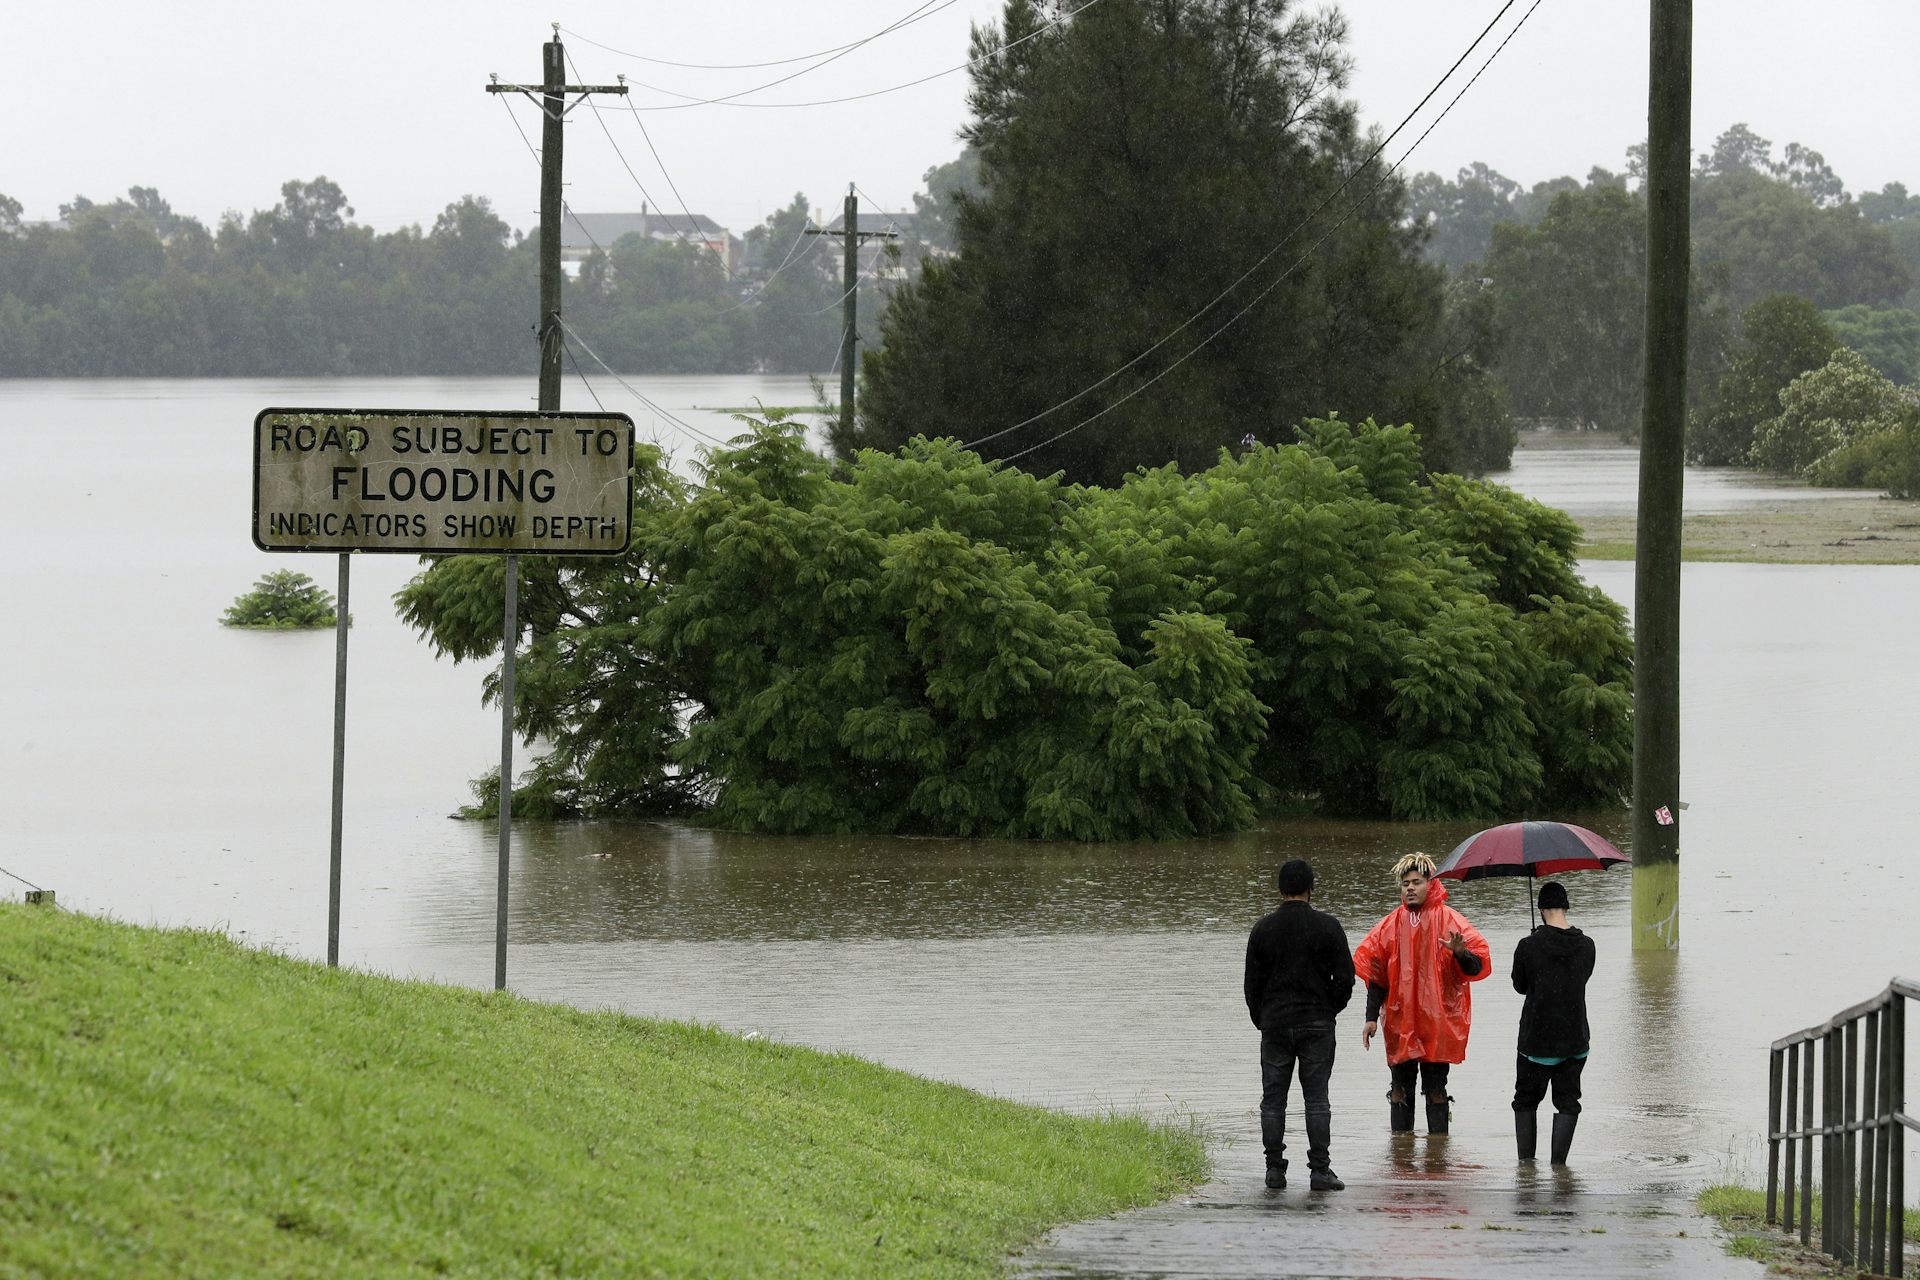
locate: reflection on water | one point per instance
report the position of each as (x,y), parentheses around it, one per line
(616,882)
(157,767)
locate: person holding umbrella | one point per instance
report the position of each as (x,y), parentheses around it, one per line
(1418,963)
(1550,968)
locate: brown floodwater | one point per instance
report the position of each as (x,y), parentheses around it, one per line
(158,768)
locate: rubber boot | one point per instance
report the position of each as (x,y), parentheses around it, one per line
(1399,1112)
(1563,1125)
(1526,1132)
(1438,1112)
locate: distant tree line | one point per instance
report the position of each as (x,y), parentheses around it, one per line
(1563,266)
(128,287)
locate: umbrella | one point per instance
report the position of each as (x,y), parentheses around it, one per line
(1529,849)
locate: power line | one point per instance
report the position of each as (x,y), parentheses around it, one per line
(581,374)
(694,100)
(874,93)
(22,879)
(644,193)
(1266,257)
(745,66)
(1344,218)
(635,392)
(759,290)
(752,300)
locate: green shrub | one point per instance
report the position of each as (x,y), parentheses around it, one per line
(929,642)
(282,601)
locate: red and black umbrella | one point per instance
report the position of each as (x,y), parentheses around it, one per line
(1529,849)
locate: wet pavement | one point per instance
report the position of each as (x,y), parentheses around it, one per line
(1434,1216)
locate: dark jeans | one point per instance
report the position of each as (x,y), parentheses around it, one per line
(1432,1075)
(1531,1082)
(1311,1046)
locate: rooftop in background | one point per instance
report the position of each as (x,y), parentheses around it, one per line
(580,233)
(584,230)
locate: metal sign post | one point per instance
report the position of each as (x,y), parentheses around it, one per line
(509,642)
(339,758)
(440,482)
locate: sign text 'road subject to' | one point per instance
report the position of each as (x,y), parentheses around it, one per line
(427,481)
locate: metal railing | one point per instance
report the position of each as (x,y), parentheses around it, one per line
(1861,1133)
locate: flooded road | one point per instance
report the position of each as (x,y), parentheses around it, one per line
(159,768)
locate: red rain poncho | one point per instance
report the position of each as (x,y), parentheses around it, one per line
(1429,1009)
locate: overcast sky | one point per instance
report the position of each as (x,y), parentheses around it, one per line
(217,102)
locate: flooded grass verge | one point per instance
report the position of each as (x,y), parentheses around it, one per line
(1841,530)
(174,1103)
(1741,1213)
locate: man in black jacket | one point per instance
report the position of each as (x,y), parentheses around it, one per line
(1299,975)
(1550,968)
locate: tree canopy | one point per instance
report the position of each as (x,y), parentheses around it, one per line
(1150,172)
(926,641)
(1844,424)
(1781,337)
(1569,296)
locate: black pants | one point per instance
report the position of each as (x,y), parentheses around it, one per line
(1310,1046)
(1531,1082)
(1432,1076)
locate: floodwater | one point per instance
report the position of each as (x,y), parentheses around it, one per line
(159,768)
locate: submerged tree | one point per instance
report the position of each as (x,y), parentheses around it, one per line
(927,641)
(282,601)
(1158,252)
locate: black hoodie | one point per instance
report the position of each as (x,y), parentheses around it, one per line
(1550,968)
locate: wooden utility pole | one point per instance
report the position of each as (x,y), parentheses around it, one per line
(551,94)
(1656,578)
(851,238)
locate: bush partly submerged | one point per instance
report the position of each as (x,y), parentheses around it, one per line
(926,642)
(282,601)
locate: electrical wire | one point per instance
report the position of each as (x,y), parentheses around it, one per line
(694,100)
(873,93)
(692,224)
(580,373)
(751,300)
(741,66)
(634,391)
(22,879)
(1305,257)
(1268,256)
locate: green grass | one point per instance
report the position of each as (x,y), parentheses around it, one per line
(1742,1212)
(1626,551)
(174,1104)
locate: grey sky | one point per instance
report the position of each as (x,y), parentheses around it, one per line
(218,102)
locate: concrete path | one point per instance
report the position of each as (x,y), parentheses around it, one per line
(1426,1218)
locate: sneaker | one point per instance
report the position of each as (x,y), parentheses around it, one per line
(1277,1177)
(1326,1180)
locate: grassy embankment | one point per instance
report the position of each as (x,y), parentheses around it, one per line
(1803,531)
(174,1104)
(1741,1213)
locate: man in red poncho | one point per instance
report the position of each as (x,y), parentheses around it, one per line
(1417,964)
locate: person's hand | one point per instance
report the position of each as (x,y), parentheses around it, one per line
(1366,1035)
(1456,942)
